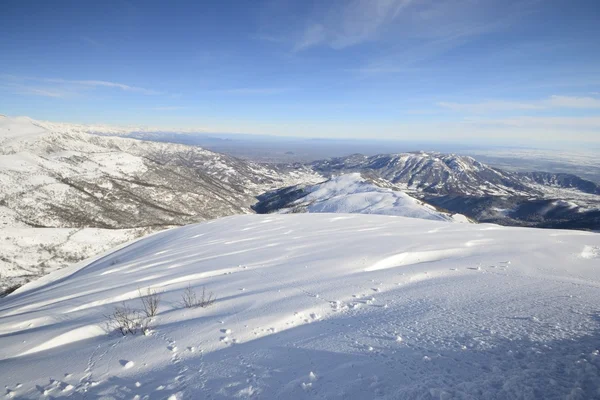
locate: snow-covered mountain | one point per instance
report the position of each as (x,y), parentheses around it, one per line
(70,191)
(463,185)
(335,306)
(431,173)
(66,194)
(561,180)
(350,193)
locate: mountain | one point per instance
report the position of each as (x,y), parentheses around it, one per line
(561,180)
(66,194)
(317,306)
(350,193)
(431,173)
(463,185)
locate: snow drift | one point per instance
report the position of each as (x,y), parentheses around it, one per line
(318,306)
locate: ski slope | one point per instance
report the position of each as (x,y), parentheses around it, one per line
(318,306)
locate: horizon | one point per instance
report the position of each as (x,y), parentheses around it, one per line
(453,71)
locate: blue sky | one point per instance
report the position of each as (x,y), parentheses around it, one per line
(498,71)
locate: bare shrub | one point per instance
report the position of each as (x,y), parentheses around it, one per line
(128,321)
(191,300)
(144,324)
(206,300)
(150,301)
(9,289)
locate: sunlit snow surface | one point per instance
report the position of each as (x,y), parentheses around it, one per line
(351,193)
(66,194)
(319,306)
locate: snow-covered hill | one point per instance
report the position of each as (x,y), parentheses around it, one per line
(432,173)
(101,191)
(351,193)
(464,185)
(308,306)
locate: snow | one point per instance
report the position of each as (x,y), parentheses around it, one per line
(351,193)
(18,128)
(335,306)
(26,251)
(590,252)
(56,175)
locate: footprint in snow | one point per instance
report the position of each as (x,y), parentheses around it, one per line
(126,364)
(68,388)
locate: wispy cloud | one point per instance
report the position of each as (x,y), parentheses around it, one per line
(592,123)
(500,106)
(573,102)
(489,106)
(407,24)
(383,69)
(422,30)
(97,83)
(56,87)
(355,22)
(168,108)
(250,91)
(92,42)
(269,38)
(35,91)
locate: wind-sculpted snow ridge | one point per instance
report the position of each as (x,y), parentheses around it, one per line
(335,306)
(351,193)
(55,176)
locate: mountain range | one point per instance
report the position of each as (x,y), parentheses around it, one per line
(66,194)
(69,191)
(463,185)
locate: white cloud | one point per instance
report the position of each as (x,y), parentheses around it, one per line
(313,35)
(573,102)
(489,106)
(499,106)
(98,83)
(575,123)
(355,22)
(40,91)
(91,41)
(251,91)
(168,108)
(56,87)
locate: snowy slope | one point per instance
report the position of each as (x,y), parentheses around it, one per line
(464,185)
(321,306)
(62,178)
(14,130)
(351,193)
